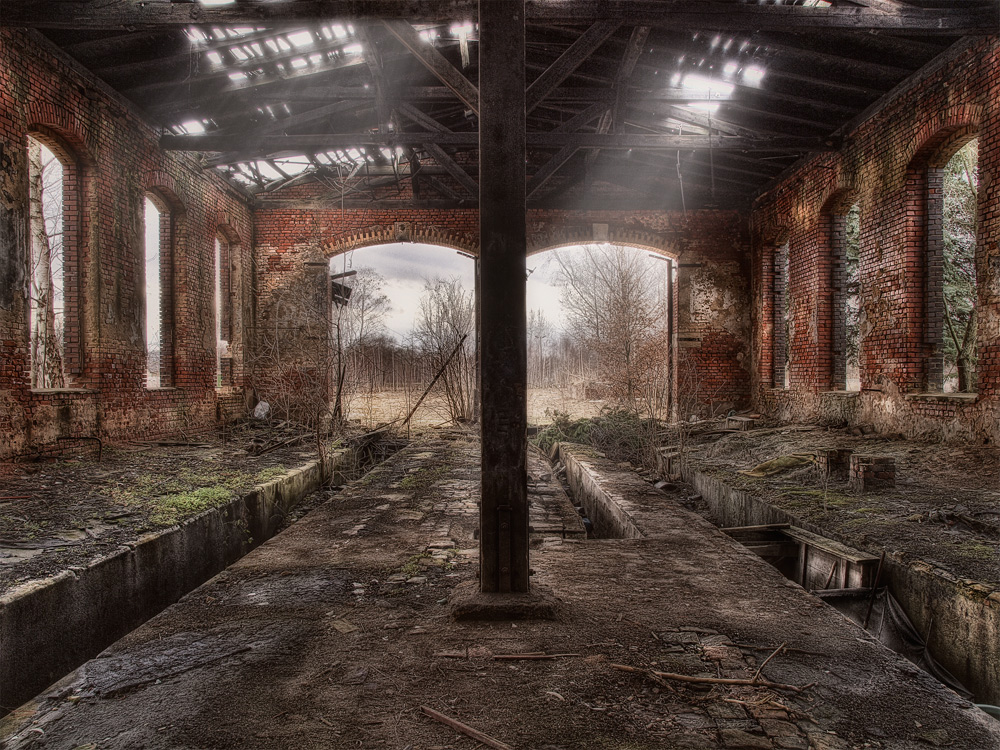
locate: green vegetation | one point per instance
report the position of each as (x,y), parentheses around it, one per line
(421,480)
(271,472)
(169,509)
(169,498)
(622,435)
(978,550)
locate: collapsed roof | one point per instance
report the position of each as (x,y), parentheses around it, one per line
(648,103)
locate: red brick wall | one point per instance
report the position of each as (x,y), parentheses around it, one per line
(116,161)
(711,248)
(883,165)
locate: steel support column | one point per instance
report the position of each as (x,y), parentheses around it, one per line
(503,377)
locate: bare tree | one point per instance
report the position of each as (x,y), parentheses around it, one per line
(355,326)
(613,305)
(961,184)
(291,364)
(540,341)
(445,318)
(45,220)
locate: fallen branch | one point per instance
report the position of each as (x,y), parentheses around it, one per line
(788,649)
(713,680)
(760,669)
(465,729)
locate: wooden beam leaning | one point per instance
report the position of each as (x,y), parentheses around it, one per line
(435,62)
(127,14)
(503,538)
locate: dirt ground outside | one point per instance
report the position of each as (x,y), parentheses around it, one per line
(386,406)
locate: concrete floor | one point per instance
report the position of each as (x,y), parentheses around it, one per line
(336,632)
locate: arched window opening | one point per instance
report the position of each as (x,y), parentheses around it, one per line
(600,331)
(151,265)
(781,307)
(846,248)
(960,184)
(47,268)
(159,228)
(223,312)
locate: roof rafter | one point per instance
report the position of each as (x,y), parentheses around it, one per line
(107,14)
(568,61)
(268,144)
(435,62)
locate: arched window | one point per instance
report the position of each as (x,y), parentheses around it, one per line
(223,311)
(53,299)
(952,195)
(159,238)
(845,248)
(782,318)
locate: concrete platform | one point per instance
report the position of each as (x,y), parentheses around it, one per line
(336,632)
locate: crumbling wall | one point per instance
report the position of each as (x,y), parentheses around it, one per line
(115,161)
(881,167)
(711,248)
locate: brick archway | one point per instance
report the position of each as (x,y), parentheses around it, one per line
(402,231)
(605,234)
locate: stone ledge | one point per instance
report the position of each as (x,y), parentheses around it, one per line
(946,398)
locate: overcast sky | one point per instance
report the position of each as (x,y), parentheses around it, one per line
(406,266)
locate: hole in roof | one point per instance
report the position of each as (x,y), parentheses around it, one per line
(301,38)
(753,75)
(702,85)
(210,3)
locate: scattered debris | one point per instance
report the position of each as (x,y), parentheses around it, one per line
(754,682)
(465,729)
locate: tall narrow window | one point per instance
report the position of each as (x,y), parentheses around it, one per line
(154,292)
(782,319)
(960,189)
(223,313)
(846,249)
(46,298)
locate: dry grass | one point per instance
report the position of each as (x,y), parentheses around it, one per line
(387,406)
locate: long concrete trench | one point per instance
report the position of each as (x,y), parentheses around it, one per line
(338,631)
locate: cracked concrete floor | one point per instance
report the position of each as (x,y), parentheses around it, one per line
(333,634)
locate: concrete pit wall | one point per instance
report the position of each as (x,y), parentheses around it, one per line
(962,616)
(51,626)
(606,505)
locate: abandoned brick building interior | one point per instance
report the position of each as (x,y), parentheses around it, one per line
(773,522)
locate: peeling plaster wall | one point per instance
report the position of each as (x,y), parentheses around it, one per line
(881,167)
(115,160)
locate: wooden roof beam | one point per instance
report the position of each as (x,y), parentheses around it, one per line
(267,145)
(568,61)
(439,154)
(435,62)
(126,14)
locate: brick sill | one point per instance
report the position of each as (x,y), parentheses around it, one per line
(960,398)
(62,391)
(840,394)
(161,388)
